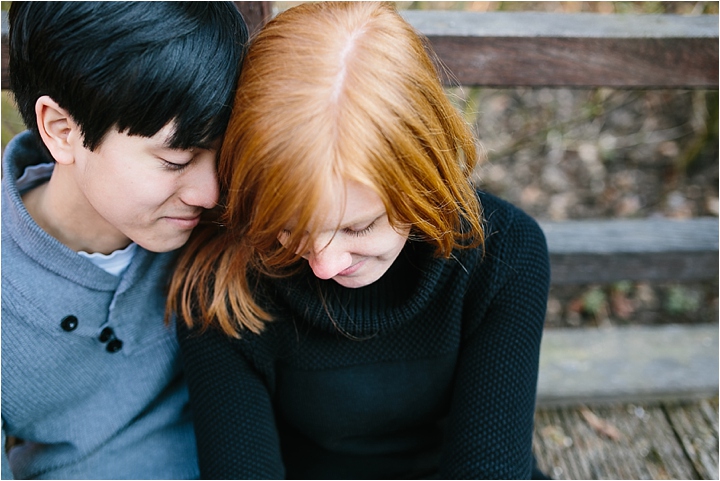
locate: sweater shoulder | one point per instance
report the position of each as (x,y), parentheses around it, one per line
(507,225)
(514,246)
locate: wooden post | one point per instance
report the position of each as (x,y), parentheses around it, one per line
(5,80)
(255,14)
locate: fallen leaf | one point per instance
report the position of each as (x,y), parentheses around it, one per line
(601,426)
(621,305)
(556,435)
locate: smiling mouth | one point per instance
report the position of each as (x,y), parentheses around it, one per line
(351,270)
(184,222)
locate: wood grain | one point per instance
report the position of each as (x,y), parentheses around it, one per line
(568,447)
(698,434)
(573,50)
(255,14)
(604,251)
(628,364)
(579,62)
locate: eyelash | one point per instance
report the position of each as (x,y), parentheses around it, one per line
(362,232)
(354,233)
(175,167)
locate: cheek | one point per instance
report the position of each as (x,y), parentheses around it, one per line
(142,203)
(400,241)
(388,246)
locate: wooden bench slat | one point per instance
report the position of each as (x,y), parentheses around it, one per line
(632,235)
(609,268)
(606,251)
(579,62)
(438,23)
(628,364)
(573,50)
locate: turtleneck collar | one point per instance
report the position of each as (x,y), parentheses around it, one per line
(399,295)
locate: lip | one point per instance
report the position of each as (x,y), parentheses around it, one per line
(351,270)
(184,222)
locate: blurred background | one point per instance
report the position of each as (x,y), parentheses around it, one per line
(589,154)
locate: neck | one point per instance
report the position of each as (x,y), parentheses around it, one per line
(59,208)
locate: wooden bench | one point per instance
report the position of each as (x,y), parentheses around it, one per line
(621,51)
(532,49)
(601,367)
(608,398)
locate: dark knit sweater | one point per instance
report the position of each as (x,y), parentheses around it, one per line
(429,372)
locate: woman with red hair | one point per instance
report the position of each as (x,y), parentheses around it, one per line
(355,313)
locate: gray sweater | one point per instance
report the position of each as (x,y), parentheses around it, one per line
(91,378)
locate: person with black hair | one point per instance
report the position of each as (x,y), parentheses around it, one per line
(126,104)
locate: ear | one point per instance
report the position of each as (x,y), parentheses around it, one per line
(57,129)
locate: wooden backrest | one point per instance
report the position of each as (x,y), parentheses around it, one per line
(534,49)
(506,49)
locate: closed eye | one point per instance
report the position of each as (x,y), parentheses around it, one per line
(173,166)
(361,232)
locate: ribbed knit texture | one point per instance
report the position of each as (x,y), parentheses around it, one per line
(84,412)
(429,372)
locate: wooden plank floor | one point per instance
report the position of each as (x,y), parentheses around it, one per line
(629,441)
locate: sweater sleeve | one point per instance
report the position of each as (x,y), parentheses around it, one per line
(491,420)
(234,421)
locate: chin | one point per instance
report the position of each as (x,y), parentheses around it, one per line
(160,247)
(354,282)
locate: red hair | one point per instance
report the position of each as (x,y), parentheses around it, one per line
(330,91)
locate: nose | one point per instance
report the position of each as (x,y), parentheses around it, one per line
(328,260)
(201,189)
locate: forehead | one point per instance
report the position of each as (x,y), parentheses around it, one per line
(162,140)
(115,140)
(163,136)
(345,204)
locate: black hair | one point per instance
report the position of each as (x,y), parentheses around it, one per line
(133,66)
